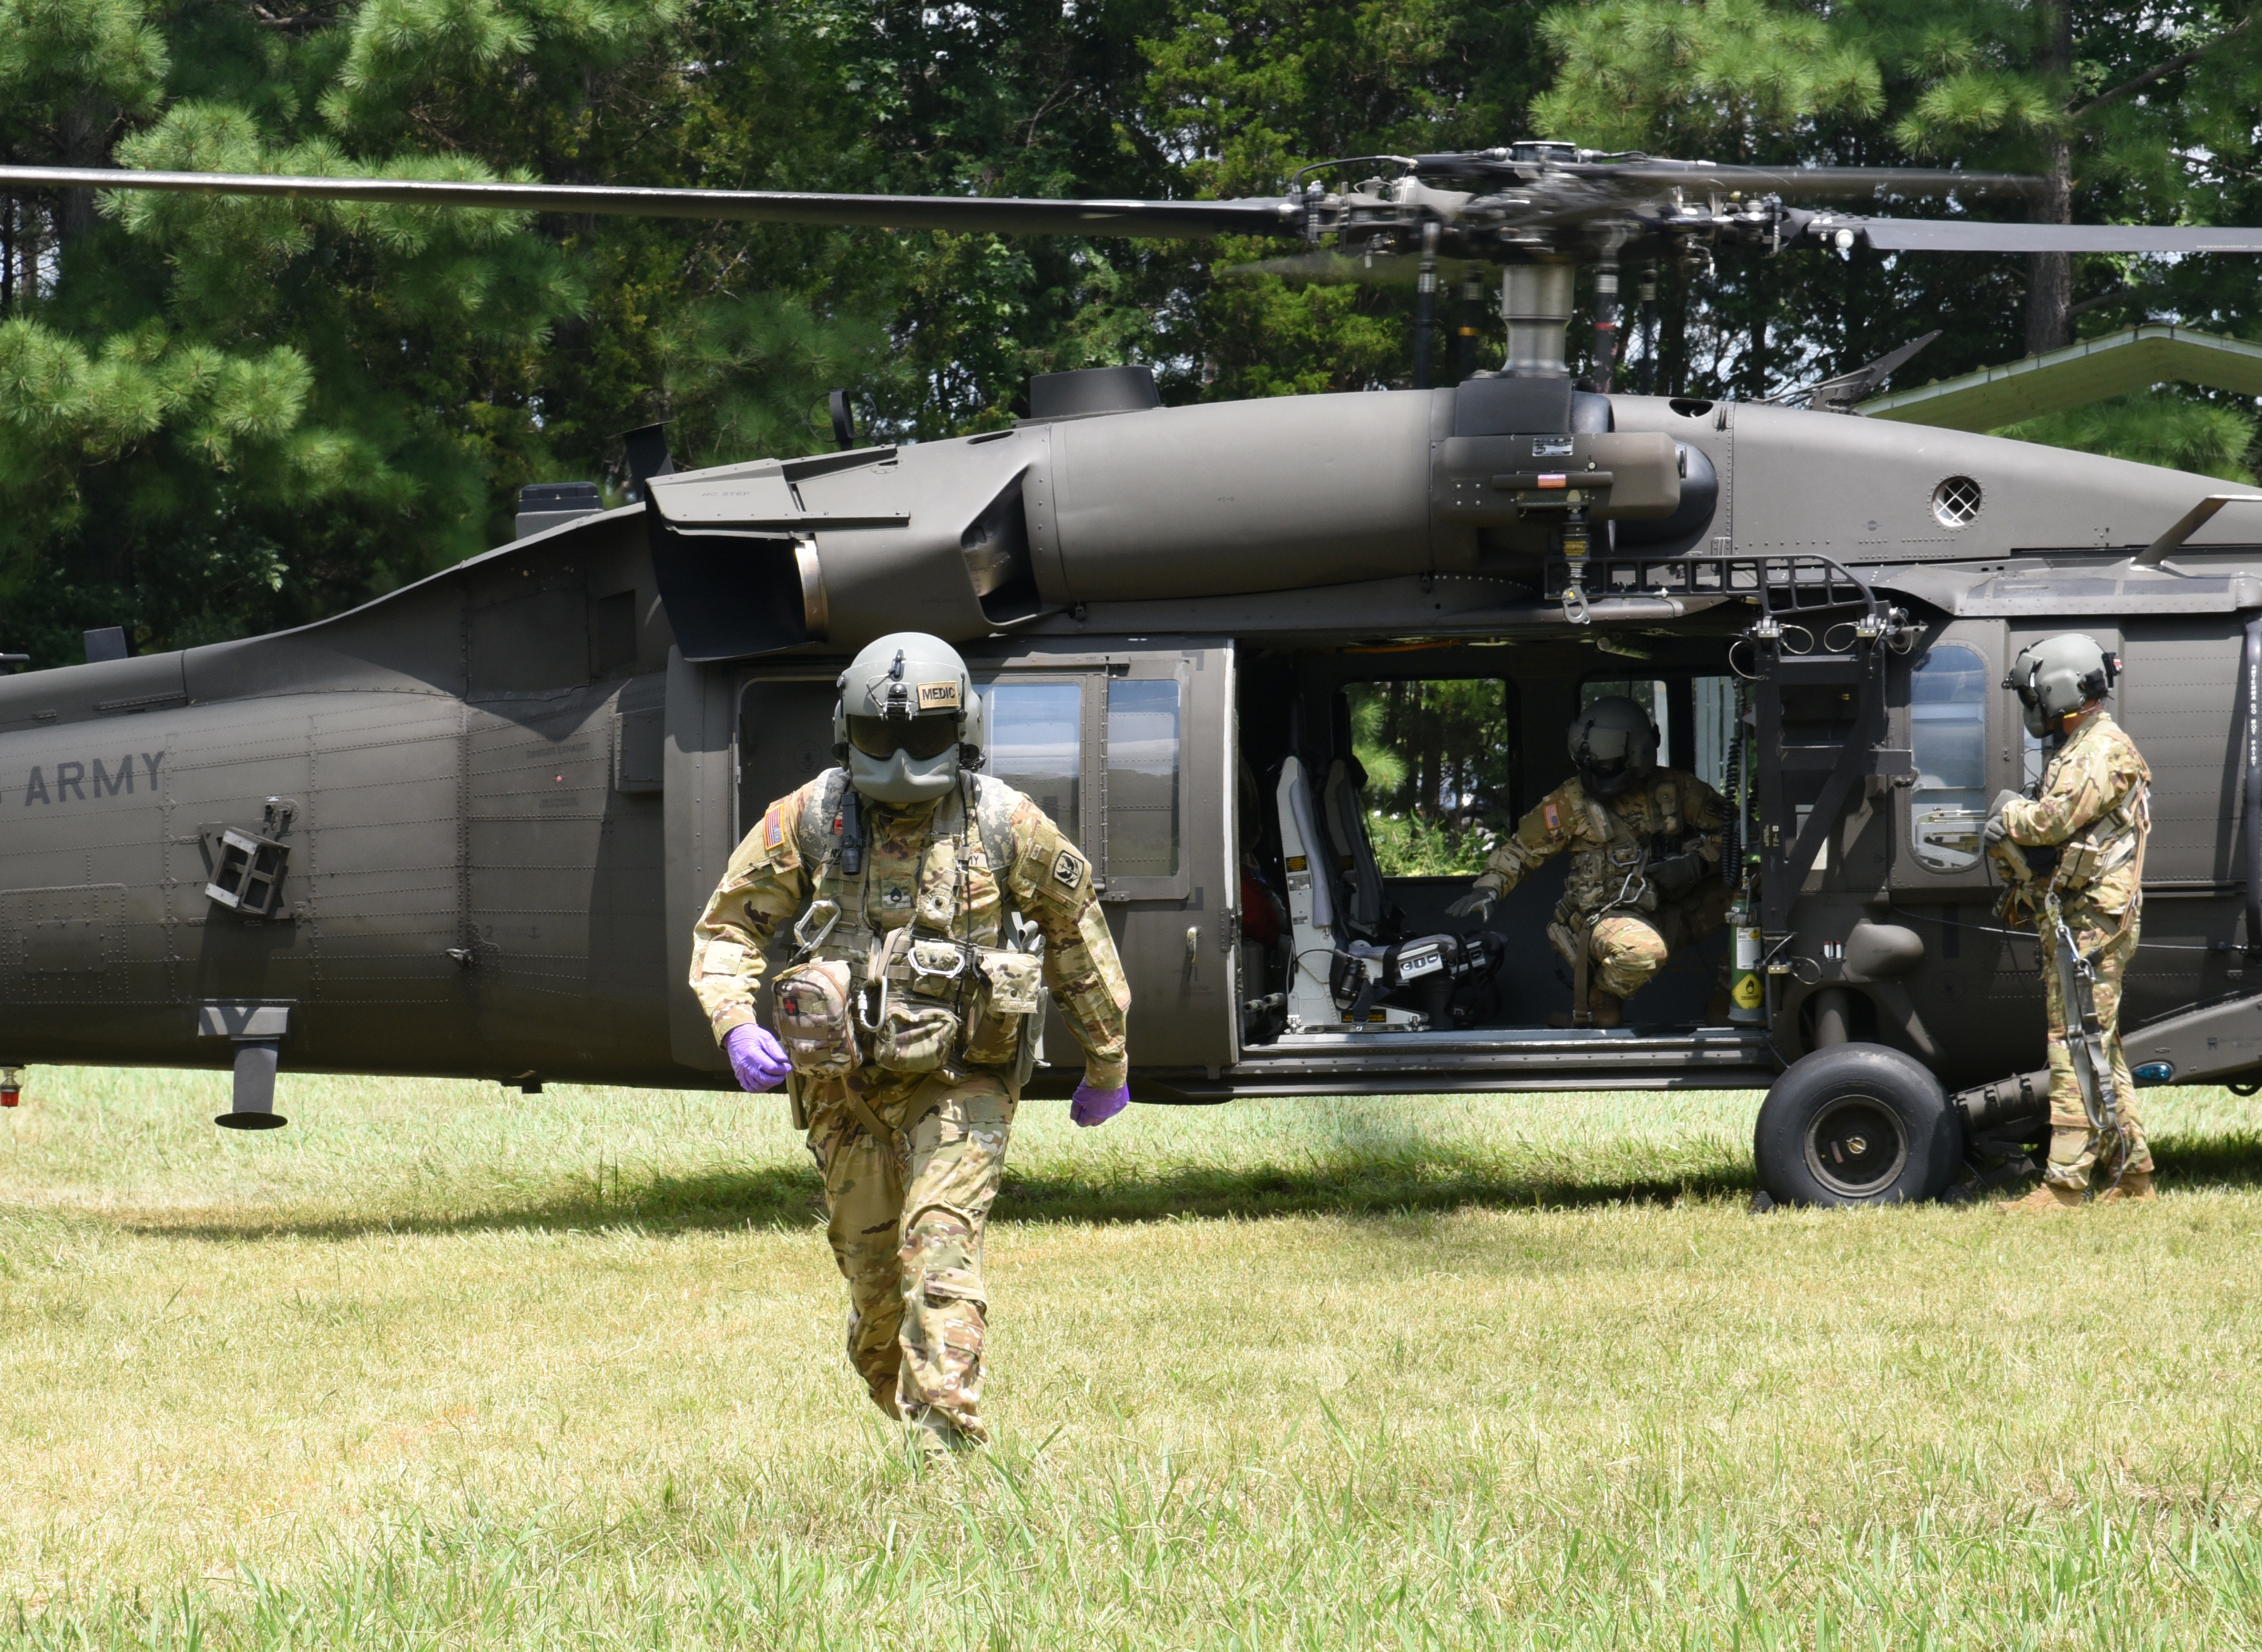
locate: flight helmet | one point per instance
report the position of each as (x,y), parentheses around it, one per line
(2057,676)
(908,719)
(1614,743)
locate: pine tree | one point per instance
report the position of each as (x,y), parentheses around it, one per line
(2126,115)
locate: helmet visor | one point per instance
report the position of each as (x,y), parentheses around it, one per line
(1606,778)
(917,737)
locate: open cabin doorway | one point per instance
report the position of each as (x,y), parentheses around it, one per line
(1416,762)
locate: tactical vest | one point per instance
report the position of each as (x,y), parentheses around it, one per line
(1613,875)
(2112,840)
(950,990)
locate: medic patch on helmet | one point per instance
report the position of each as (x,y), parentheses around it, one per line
(939,696)
(1068,869)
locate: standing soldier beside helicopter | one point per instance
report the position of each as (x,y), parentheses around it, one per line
(906,893)
(1645,866)
(2091,808)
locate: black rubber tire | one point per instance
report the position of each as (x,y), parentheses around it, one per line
(1856,1124)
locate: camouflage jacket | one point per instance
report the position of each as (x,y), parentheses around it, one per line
(2093,806)
(1611,840)
(929,860)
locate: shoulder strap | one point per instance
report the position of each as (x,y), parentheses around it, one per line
(991,812)
(819,842)
(1667,796)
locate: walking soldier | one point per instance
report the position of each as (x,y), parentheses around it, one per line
(920,912)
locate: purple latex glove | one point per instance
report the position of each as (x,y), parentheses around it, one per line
(758,1058)
(1091,1106)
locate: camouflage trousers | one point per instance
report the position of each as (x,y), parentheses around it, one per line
(2108,943)
(1627,949)
(905,1218)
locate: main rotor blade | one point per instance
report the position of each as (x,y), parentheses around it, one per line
(1333,269)
(1809,182)
(1175,220)
(1951,236)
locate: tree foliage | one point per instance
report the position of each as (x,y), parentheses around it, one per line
(1437,757)
(221,416)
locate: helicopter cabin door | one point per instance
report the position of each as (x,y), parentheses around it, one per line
(1128,747)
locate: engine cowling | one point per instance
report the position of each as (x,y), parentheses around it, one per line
(972,536)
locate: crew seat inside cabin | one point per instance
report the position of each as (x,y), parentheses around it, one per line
(1484,737)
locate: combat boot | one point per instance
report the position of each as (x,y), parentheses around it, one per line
(2134,1188)
(935,1437)
(2049,1196)
(1603,1009)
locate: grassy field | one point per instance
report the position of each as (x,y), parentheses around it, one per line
(440,1367)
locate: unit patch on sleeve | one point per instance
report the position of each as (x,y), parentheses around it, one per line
(1068,869)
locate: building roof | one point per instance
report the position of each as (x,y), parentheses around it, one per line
(2094,370)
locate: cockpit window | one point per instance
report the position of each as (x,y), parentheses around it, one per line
(1142,778)
(1439,759)
(1948,730)
(1036,746)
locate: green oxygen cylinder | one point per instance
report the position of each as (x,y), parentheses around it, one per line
(1746,987)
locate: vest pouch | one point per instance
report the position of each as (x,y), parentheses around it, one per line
(914,1036)
(2079,861)
(816,1018)
(938,904)
(1011,990)
(932,969)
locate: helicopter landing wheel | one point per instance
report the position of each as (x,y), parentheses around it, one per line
(1856,1124)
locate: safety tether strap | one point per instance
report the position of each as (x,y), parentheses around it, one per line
(852,1095)
(2093,1065)
(1582,935)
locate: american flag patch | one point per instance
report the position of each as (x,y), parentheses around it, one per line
(774,828)
(1554,821)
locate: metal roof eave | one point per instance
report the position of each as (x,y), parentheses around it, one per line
(2094,370)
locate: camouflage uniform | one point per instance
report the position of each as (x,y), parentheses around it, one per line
(907,1204)
(2092,808)
(1630,928)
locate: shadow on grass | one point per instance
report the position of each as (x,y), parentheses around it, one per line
(1391,1183)
(788,1197)
(2226,1162)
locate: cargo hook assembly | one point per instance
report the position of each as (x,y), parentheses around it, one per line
(1575,608)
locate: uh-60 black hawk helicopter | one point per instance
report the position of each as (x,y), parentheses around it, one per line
(464,829)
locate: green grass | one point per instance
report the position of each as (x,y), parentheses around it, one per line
(443,1367)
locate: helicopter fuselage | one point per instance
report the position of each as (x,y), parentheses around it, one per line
(465,828)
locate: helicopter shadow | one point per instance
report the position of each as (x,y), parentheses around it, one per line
(2231,1163)
(789,1197)
(1436,1179)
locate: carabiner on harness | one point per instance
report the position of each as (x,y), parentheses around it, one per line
(807,942)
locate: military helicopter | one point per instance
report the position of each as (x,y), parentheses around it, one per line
(464,829)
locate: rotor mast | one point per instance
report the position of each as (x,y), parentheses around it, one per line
(1535,299)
